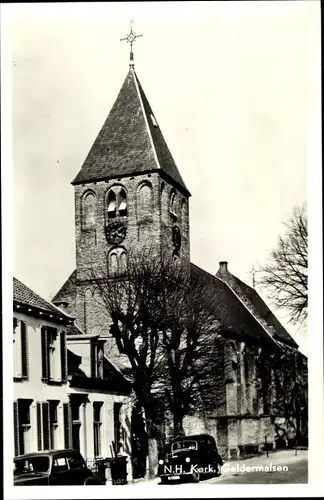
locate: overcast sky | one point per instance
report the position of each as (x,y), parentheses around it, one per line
(228,83)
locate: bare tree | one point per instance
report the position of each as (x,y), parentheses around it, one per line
(189,339)
(283,386)
(162,320)
(284,277)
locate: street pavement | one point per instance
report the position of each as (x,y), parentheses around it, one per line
(269,470)
(296,473)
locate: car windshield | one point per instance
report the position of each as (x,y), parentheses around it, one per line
(31,464)
(184,445)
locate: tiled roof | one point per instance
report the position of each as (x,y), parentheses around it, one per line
(256,306)
(228,309)
(130,142)
(73,330)
(67,289)
(25,296)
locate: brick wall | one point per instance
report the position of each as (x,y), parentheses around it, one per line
(149,230)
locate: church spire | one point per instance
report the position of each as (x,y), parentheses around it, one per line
(131,38)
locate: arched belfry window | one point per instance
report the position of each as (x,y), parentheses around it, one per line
(111,204)
(89,211)
(122,265)
(122,207)
(117,262)
(117,202)
(173,198)
(113,263)
(144,202)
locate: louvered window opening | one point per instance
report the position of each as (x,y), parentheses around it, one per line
(117,203)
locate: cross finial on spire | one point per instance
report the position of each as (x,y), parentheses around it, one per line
(130,38)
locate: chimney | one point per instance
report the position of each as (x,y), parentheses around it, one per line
(223,266)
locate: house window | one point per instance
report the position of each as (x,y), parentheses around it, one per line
(22,427)
(20,349)
(53,424)
(76,424)
(53,355)
(43,425)
(96,360)
(97,424)
(100,362)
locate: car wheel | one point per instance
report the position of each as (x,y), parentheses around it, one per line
(195,476)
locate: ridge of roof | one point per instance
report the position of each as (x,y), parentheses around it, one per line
(247,317)
(252,300)
(128,143)
(252,314)
(22,294)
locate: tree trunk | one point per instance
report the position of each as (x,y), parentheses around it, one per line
(178,425)
(152,459)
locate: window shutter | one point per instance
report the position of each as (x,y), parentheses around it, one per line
(93,359)
(63,356)
(16,427)
(24,350)
(67,425)
(39,427)
(45,360)
(46,425)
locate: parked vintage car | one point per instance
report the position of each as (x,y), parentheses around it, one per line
(54,467)
(191,458)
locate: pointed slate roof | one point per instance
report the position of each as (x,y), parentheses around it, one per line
(130,141)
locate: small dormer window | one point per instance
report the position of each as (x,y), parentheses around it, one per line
(154,121)
(97,356)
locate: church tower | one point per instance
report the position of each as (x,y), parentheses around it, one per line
(129,196)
